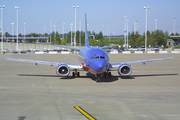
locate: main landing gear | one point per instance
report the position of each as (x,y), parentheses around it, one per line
(97,76)
(107,74)
(75,73)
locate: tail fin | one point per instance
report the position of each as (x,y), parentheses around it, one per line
(86,34)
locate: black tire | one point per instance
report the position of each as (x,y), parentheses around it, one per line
(78,74)
(73,74)
(105,74)
(109,74)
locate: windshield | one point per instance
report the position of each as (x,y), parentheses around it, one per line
(97,57)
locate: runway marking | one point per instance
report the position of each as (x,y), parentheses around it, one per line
(83,112)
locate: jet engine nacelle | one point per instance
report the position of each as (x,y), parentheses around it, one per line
(62,70)
(124,70)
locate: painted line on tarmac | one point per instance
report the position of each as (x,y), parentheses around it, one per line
(83,112)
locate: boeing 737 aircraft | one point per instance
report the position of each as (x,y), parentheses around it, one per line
(92,59)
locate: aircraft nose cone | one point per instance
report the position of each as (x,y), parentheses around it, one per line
(100,65)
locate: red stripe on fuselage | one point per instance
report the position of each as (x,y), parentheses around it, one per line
(85,68)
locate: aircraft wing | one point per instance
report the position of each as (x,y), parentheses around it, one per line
(71,65)
(108,46)
(67,47)
(116,65)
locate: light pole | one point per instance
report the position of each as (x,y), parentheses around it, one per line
(146,29)
(66,35)
(12,31)
(63,30)
(44,30)
(2,28)
(54,34)
(125,31)
(7,29)
(174,25)
(80,33)
(7,32)
(50,30)
(75,7)
(127,34)
(17,7)
(71,32)
(155,24)
(103,28)
(109,33)
(24,31)
(134,26)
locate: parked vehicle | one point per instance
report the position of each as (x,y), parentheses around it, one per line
(23,51)
(108,50)
(120,49)
(72,50)
(36,51)
(28,51)
(114,50)
(133,49)
(15,52)
(142,48)
(45,51)
(154,48)
(65,50)
(59,51)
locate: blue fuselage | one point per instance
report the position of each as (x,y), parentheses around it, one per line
(94,59)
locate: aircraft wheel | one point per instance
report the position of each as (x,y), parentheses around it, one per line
(78,74)
(105,74)
(109,74)
(73,74)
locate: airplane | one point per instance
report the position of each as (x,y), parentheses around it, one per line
(91,59)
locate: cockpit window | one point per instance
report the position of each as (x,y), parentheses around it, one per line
(97,57)
(102,57)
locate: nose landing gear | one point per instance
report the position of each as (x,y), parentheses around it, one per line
(98,76)
(107,73)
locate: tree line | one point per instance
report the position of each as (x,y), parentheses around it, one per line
(154,38)
(63,39)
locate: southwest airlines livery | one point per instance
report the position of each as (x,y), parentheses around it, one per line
(92,59)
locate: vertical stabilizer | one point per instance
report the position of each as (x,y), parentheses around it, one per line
(86,34)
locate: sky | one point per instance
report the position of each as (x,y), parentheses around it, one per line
(106,16)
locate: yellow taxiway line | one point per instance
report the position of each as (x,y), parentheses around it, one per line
(87,115)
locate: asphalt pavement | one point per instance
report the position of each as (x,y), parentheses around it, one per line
(35,92)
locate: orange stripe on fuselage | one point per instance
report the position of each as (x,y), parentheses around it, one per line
(85,68)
